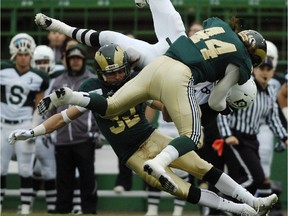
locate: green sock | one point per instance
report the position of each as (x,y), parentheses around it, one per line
(183,144)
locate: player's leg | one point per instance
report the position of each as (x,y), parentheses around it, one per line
(6,154)
(167,21)
(46,159)
(225,184)
(153,200)
(266,149)
(76,202)
(25,156)
(184,190)
(180,102)
(178,202)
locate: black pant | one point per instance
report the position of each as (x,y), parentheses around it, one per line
(243,162)
(125,177)
(68,158)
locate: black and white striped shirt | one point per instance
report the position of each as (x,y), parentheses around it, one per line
(247,121)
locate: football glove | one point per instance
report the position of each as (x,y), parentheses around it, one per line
(20,135)
(58,98)
(63,96)
(43,21)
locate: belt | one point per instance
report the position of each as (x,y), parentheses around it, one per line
(12,122)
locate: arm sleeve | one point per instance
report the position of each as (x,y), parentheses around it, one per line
(217,99)
(275,123)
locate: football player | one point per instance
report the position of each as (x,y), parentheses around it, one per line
(135,141)
(22,87)
(44,166)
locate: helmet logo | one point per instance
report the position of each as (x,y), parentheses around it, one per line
(240,103)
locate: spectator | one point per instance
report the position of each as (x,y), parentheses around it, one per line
(194,27)
(22,87)
(56,41)
(75,146)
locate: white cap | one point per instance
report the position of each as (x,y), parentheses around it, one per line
(272,52)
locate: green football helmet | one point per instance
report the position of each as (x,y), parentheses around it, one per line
(255,44)
(111,58)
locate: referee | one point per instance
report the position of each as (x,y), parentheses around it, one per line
(239,129)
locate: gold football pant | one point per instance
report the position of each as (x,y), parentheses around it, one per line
(190,162)
(170,82)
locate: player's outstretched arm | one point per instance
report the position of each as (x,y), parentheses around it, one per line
(60,97)
(51,124)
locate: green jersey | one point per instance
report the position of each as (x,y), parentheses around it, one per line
(208,52)
(126,132)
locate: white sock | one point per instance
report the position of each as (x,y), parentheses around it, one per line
(167,155)
(178,210)
(212,200)
(152,210)
(61,27)
(231,188)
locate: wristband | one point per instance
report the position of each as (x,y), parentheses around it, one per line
(39,130)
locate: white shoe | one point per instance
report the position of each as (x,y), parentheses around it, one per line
(248,211)
(141,3)
(158,172)
(25,209)
(151,214)
(263,204)
(119,189)
(43,21)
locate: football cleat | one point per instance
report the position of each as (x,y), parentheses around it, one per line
(43,21)
(159,173)
(248,211)
(140,3)
(263,204)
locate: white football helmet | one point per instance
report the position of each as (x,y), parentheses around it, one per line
(43,52)
(242,96)
(21,43)
(272,51)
